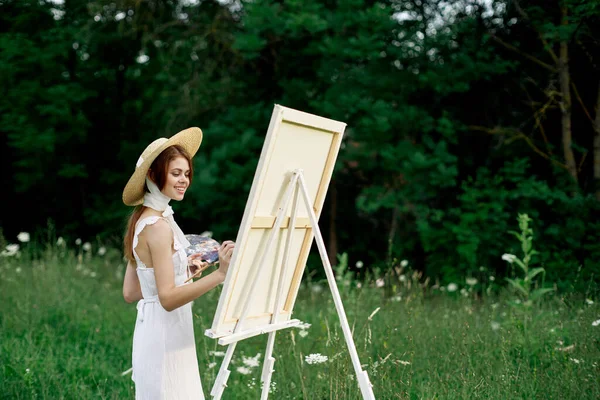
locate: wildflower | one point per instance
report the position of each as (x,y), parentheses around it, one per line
(212,365)
(206,234)
(403,362)
(379,282)
(217,353)
(576,361)
(23,237)
(316,288)
(511,258)
(596,322)
(358,285)
(403,263)
(589,302)
(397,298)
(251,362)
(244,370)
(303,325)
(452,287)
(359,264)
(303,333)
(18,270)
(78,241)
(87,246)
(471,281)
(102,251)
(402,278)
(11,250)
(464,292)
(60,241)
(495,326)
(492,278)
(27,370)
(316,358)
(93,274)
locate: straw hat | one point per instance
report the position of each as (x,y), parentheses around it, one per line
(189,139)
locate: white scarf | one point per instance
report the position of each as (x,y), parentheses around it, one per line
(159,202)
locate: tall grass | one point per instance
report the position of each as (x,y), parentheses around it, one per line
(66,333)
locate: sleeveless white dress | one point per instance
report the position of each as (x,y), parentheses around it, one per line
(164,360)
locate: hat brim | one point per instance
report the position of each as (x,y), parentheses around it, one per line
(190,139)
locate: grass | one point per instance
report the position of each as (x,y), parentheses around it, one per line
(65,333)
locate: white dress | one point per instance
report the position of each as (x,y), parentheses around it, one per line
(164,361)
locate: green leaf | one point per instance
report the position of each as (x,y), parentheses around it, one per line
(516,284)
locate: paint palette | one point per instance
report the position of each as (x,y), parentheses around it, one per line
(203,248)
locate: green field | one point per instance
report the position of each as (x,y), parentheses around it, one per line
(66,334)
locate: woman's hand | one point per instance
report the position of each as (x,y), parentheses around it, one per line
(195,267)
(225,253)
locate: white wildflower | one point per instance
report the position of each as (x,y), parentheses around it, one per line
(212,365)
(316,288)
(403,263)
(102,251)
(244,370)
(511,258)
(303,333)
(78,241)
(403,362)
(18,270)
(358,285)
(303,325)
(251,362)
(596,322)
(93,274)
(452,287)
(471,281)
(27,370)
(402,278)
(495,325)
(396,299)
(316,358)
(589,302)
(379,282)
(23,237)
(464,292)
(359,264)
(119,16)
(87,246)
(576,361)
(60,241)
(11,250)
(492,278)
(217,353)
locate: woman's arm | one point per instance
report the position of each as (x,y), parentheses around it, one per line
(159,241)
(131,285)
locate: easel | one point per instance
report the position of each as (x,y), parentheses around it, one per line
(295,186)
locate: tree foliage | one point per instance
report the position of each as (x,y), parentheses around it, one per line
(460,116)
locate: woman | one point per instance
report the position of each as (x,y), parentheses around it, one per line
(164,359)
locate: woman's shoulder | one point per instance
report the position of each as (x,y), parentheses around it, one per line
(156,229)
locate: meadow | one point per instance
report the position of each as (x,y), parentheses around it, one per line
(66,332)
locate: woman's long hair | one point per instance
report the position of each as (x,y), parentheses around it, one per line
(160,169)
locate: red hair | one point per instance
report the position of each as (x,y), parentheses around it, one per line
(159,170)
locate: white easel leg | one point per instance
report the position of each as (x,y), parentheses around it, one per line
(269,361)
(361,376)
(268,364)
(221,381)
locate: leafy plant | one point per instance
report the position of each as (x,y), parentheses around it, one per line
(525,288)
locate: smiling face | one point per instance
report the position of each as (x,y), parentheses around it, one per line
(177,179)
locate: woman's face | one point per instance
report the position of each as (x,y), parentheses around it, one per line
(178,178)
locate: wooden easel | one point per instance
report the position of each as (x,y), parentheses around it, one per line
(295,187)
